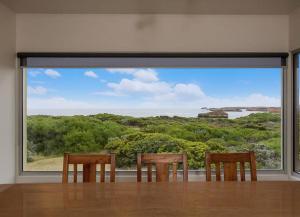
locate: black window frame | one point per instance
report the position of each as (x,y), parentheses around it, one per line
(296,107)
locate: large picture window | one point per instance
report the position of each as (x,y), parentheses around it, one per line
(128,110)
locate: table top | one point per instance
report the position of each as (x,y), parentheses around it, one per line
(152,199)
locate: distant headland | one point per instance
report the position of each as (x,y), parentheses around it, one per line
(223,112)
(240,109)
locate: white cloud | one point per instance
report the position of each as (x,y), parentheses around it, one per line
(52,73)
(172,101)
(91,74)
(251,100)
(39,90)
(146,75)
(257,99)
(146,81)
(188,90)
(181,93)
(254,99)
(127,85)
(57,103)
(161,94)
(159,89)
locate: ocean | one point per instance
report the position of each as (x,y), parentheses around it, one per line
(134,112)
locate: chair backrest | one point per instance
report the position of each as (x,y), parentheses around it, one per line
(162,162)
(89,162)
(230,165)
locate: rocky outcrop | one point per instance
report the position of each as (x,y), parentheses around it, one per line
(213,114)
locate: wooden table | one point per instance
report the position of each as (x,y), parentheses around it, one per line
(155,199)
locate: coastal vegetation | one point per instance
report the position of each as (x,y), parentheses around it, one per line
(50,136)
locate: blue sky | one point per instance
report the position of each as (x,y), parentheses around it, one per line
(115,88)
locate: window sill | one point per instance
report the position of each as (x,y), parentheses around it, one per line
(193,177)
(295,176)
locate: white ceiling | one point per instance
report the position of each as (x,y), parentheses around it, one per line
(154,6)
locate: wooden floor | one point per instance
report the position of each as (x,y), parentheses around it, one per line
(202,199)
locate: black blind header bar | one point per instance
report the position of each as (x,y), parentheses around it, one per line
(151,59)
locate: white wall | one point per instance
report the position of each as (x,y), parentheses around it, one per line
(295,29)
(202,33)
(7,94)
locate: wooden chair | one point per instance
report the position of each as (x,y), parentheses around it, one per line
(89,162)
(162,162)
(230,161)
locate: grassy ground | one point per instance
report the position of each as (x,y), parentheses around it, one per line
(45,164)
(51,164)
